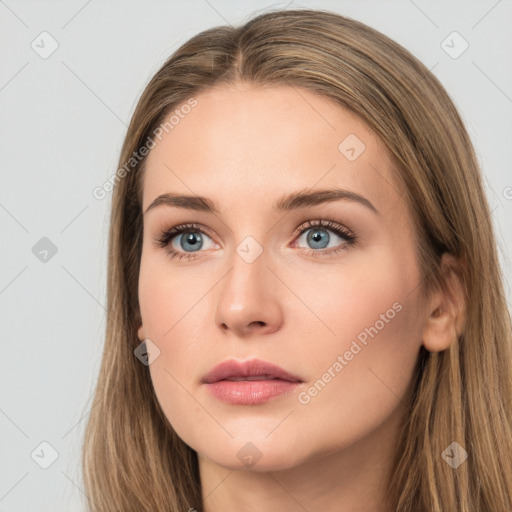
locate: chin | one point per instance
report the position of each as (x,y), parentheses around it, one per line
(257,456)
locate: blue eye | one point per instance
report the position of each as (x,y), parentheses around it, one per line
(317,236)
(187,240)
(192,240)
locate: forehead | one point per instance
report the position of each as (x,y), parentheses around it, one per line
(244,144)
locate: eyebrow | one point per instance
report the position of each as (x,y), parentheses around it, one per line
(294,201)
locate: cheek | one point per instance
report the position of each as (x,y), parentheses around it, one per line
(362,371)
(171,310)
(168,296)
(362,381)
(177,398)
(367,297)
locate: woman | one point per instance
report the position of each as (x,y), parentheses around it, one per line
(306,305)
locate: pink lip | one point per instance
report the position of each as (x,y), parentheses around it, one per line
(257,381)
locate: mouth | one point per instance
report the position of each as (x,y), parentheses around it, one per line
(252,377)
(255,369)
(249,383)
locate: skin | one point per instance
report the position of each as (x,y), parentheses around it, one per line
(244,147)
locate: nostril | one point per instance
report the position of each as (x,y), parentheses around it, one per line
(259,322)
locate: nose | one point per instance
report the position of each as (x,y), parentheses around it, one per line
(248,299)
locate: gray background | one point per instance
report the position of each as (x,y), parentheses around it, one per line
(62,122)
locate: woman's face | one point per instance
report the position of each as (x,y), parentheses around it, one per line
(335,305)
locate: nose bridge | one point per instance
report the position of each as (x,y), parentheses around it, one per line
(246,297)
(245,283)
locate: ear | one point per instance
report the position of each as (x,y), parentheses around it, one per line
(140,333)
(446,308)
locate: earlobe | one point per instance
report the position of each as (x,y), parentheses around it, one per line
(446,313)
(140,333)
(440,331)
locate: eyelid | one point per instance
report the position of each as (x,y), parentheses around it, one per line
(324,224)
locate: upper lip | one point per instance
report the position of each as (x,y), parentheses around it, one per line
(253,368)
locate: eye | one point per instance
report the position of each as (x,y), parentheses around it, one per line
(187,240)
(316,234)
(190,238)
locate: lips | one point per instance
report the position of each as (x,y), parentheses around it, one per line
(252,370)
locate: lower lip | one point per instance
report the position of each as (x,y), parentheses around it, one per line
(250,392)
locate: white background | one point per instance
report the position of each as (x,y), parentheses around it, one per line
(62,123)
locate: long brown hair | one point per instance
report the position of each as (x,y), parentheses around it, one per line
(132,458)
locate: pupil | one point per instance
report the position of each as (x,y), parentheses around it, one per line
(319,236)
(192,240)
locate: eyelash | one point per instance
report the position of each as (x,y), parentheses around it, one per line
(165,237)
